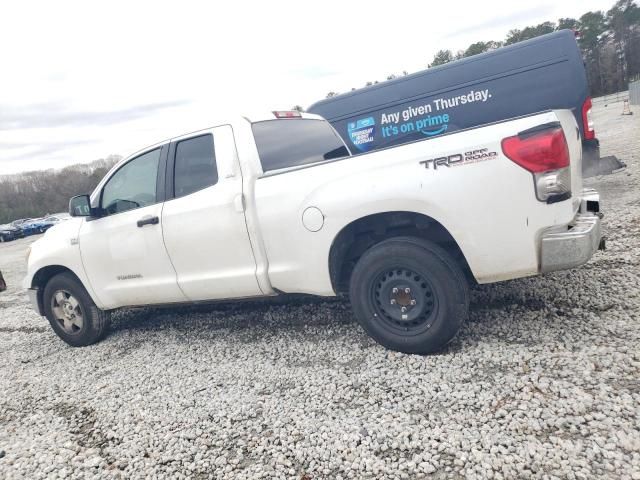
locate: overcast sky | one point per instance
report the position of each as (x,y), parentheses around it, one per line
(80,81)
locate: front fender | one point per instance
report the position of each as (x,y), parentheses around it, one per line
(58,248)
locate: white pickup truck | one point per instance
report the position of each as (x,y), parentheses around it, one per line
(277,204)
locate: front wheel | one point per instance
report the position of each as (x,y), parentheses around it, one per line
(409,295)
(72,313)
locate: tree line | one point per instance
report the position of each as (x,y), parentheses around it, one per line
(35,194)
(609,41)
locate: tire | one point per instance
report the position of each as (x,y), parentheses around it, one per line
(72,313)
(422,278)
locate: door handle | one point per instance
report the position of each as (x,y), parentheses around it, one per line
(148,221)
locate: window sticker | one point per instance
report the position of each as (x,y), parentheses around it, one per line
(432,118)
(362,133)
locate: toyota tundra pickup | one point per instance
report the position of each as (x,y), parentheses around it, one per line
(276,204)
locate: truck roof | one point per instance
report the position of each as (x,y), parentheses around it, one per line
(253,117)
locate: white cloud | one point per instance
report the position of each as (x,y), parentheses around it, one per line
(91,59)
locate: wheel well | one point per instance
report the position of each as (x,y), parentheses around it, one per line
(42,277)
(362,234)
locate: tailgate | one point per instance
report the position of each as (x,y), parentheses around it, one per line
(572,134)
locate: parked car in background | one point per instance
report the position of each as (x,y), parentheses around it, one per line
(31,226)
(41,225)
(37,225)
(25,225)
(9,232)
(29,229)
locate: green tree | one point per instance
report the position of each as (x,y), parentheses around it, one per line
(481,47)
(441,57)
(592,41)
(592,26)
(568,23)
(623,21)
(35,194)
(515,36)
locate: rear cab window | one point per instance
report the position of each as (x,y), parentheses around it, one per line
(287,143)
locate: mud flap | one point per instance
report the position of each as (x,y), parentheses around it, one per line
(598,166)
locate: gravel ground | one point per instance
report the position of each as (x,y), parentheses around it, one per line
(542,382)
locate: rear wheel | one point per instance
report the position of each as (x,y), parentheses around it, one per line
(409,295)
(72,313)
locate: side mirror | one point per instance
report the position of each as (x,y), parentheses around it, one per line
(80,206)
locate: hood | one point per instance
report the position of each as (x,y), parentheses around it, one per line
(67,228)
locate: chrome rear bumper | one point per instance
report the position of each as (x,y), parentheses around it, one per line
(571,245)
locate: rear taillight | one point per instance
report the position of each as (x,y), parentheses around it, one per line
(553,186)
(538,151)
(544,153)
(589,132)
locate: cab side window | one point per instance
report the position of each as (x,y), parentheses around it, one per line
(195,165)
(133,185)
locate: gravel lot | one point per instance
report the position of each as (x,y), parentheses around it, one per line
(542,382)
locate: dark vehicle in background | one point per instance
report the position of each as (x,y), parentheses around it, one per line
(9,232)
(37,225)
(32,226)
(536,75)
(41,225)
(24,225)
(29,229)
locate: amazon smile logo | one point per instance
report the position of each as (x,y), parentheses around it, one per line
(440,130)
(433,124)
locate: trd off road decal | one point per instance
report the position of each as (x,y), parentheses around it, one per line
(362,132)
(457,159)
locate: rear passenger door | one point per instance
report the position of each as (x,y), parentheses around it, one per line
(203,218)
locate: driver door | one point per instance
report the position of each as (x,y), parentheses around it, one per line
(123,252)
